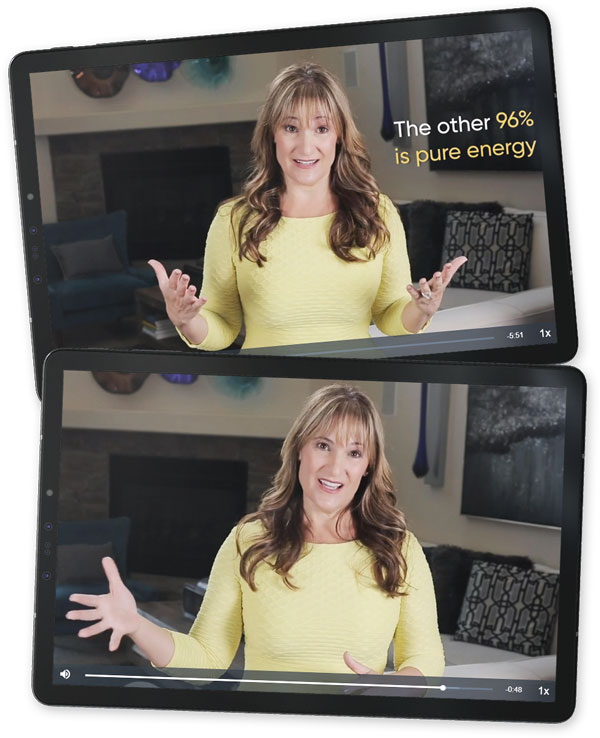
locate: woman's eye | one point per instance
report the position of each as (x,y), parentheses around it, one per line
(323,129)
(322,445)
(290,128)
(356,454)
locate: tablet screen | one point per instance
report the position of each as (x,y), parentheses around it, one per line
(177,514)
(430,142)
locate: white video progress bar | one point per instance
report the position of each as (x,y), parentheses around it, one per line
(133,677)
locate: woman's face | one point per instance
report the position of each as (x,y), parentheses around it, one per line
(331,468)
(305,146)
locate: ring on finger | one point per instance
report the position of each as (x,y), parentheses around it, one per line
(426,295)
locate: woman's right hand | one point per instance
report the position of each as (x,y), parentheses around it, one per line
(180,298)
(116,610)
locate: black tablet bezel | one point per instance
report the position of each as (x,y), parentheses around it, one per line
(321,36)
(155,362)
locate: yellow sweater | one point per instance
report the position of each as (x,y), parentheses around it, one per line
(304,293)
(337,607)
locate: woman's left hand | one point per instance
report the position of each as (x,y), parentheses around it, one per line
(428,297)
(356,666)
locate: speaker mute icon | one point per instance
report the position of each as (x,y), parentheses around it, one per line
(65,674)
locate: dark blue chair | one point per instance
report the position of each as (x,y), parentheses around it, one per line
(95,299)
(96,532)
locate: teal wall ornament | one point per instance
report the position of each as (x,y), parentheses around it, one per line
(208,72)
(239,388)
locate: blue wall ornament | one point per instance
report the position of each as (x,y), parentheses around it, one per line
(156,71)
(180,378)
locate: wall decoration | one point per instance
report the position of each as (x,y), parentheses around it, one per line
(156,71)
(514,454)
(210,72)
(180,378)
(238,387)
(438,408)
(420,464)
(393,66)
(480,76)
(120,383)
(100,81)
(430,458)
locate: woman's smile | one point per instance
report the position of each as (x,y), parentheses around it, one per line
(306,163)
(330,486)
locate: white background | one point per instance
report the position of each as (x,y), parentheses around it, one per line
(36,25)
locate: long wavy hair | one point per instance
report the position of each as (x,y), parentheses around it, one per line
(310,88)
(378,524)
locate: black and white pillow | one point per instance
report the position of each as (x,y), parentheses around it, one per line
(509,607)
(497,246)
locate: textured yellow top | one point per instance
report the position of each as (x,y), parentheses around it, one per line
(337,607)
(304,293)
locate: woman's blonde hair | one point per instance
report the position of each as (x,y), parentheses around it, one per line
(378,524)
(357,222)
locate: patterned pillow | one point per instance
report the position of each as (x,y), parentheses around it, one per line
(497,245)
(508,607)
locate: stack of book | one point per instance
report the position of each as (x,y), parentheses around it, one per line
(158,326)
(192,597)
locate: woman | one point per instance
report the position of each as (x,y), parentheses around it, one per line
(322,578)
(311,251)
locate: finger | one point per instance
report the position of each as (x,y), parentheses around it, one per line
(183,284)
(115,641)
(424,288)
(160,271)
(83,614)
(436,282)
(83,599)
(174,278)
(112,573)
(415,294)
(197,302)
(93,630)
(191,289)
(452,267)
(355,665)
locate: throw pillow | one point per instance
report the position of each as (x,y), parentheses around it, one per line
(497,246)
(450,569)
(81,563)
(88,258)
(424,223)
(510,608)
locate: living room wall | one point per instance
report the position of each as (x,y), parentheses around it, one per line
(60,108)
(204,408)
(434,512)
(523,190)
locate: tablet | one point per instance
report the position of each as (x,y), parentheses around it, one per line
(354,538)
(448,148)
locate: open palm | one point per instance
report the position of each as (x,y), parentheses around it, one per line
(116,610)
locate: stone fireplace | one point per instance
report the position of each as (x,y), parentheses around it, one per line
(178,174)
(183,493)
